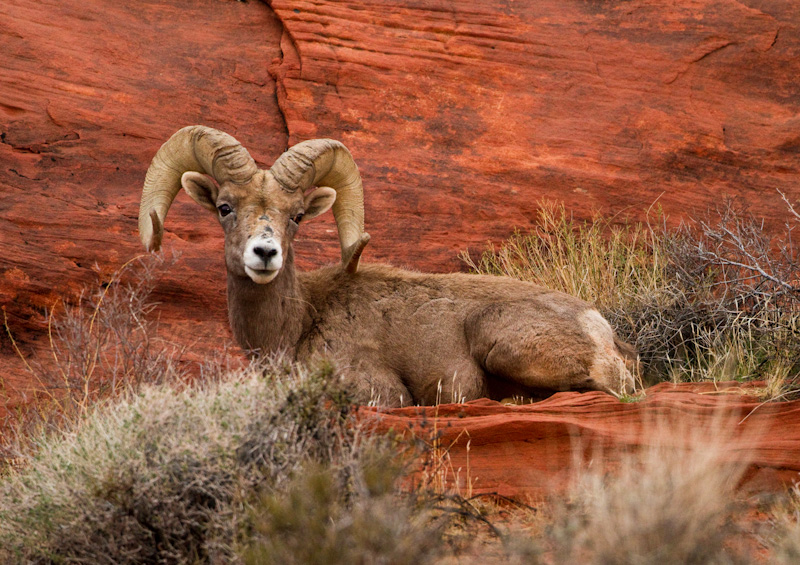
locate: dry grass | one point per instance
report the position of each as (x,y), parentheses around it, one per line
(784,536)
(101,346)
(673,502)
(716,299)
(600,261)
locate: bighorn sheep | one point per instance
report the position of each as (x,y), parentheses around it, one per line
(402,337)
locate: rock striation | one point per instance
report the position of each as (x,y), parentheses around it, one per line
(536,450)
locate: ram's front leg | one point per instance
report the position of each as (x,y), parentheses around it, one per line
(377,387)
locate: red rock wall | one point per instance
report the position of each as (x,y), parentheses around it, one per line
(89,90)
(464,115)
(461,116)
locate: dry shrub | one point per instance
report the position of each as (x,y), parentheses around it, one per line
(716,299)
(106,342)
(672,502)
(100,346)
(747,298)
(173,476)
(784,539)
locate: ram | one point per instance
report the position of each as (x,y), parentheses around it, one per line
(399,337)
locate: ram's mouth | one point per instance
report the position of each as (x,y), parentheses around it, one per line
(261,276)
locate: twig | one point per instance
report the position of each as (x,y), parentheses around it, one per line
(53,347)
(504,498)
(13,342)
(22,357)
(757,268)
(773,399)
(118,274)
(789,204)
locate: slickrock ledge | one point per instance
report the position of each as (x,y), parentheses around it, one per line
(532,451)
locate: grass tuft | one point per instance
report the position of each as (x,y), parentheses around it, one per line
(673,502)
(600,261)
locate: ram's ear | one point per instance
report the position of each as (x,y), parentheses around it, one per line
(202,188)
(319,201)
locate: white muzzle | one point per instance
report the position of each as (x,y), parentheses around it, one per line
(263,259)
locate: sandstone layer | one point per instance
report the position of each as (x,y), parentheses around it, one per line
(531,452)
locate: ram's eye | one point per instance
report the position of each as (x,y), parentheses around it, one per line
(224,210)
(297,218)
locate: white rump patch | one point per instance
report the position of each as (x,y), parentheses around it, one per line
(608,367)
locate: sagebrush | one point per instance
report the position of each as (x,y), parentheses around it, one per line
(198,474)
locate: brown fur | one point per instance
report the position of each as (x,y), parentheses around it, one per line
(402,337)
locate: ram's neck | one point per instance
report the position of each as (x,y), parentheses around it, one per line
(266,318)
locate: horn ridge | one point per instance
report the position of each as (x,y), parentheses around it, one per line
(193,148)
(327,162)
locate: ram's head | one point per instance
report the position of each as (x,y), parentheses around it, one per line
(259,210)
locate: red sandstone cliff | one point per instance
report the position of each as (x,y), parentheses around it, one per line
(462,116)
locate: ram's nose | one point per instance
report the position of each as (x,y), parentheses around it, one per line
(266,253)
(263,259)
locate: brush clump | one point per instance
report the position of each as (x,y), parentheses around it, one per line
(714,299)
(673,502)
(168,476)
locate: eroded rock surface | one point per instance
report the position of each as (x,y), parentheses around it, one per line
(88,92)
(532,451)
(464,115)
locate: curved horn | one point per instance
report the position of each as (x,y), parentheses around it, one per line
(193,148)
(326,162)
